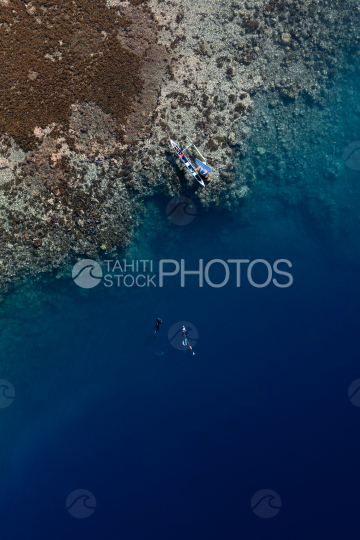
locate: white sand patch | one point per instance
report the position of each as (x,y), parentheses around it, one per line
(42,132)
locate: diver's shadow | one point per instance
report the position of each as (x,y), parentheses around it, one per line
(156,343)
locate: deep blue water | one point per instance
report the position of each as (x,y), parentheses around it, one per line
(171,445)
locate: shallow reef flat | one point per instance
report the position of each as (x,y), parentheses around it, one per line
(90,94)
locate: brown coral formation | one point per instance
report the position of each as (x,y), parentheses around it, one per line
(140,39)
(79,84)
(54,55)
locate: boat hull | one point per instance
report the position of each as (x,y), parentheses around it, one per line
(186,161)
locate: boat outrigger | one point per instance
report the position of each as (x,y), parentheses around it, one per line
(202,170)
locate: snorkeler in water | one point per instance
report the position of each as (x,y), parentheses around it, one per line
(158,322)
(184,336)
(185,340)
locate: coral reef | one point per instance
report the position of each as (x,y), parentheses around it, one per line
(91,93)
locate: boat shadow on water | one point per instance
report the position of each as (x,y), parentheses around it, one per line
(180,173)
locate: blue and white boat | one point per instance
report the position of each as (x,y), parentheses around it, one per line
(186,161)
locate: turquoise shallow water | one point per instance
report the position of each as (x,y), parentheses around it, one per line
(171,445)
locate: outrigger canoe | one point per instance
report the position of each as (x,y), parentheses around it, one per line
(186,161)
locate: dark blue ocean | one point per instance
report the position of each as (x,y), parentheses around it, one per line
(169,445)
